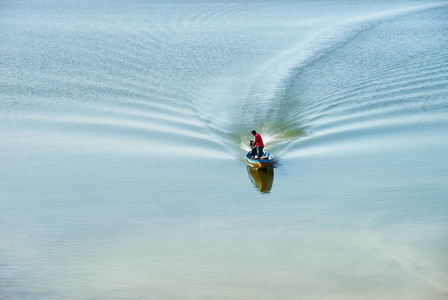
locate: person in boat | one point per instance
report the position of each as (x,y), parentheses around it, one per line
(253,150)
(257,145)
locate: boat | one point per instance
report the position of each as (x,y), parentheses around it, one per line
(264,162)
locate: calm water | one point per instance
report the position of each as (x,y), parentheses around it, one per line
(123,127)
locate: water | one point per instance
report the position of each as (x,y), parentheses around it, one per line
(124,124)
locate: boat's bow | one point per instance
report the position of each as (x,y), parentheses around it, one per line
(260,163)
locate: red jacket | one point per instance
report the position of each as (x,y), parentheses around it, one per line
(258,140)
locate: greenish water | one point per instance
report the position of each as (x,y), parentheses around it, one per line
(124,125)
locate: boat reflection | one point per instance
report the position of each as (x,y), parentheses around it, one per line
(261,178)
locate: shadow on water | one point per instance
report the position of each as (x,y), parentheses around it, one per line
(262,179)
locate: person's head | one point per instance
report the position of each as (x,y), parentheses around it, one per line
(253,132)
(251,143)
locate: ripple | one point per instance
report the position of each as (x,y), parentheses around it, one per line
(375,97)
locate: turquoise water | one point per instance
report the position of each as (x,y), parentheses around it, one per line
(124,125)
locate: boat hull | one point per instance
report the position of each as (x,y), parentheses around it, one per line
(260,163)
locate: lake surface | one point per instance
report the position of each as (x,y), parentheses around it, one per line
(123,130)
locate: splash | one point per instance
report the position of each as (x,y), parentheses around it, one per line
(271,137)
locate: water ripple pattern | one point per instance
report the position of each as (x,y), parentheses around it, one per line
(123,129)
(399,85)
